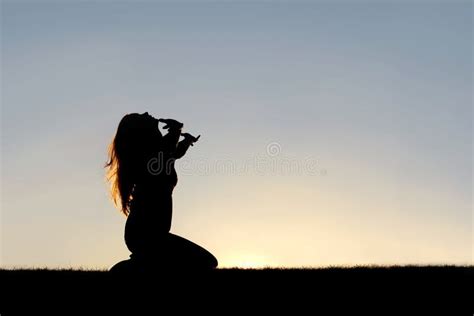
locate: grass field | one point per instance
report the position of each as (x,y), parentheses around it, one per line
(303,291)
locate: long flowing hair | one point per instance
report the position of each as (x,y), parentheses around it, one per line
(125,156)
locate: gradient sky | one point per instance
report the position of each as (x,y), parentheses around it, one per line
(331,133)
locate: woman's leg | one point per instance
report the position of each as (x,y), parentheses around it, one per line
(186,254)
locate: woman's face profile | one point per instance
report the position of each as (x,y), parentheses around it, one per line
(146,121)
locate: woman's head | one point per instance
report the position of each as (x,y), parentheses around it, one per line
(127,154)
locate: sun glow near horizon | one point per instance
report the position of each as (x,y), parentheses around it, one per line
(247,261)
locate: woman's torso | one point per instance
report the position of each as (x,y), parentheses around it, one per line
(151,210)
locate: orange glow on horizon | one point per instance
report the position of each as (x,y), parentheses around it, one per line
(247,261)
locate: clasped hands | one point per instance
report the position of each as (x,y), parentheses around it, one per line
(173,124)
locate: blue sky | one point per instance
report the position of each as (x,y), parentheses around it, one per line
(376,96)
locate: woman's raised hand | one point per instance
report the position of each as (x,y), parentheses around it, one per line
(190,138)
(171,124)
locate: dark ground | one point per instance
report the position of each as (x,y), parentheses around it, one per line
(408,290)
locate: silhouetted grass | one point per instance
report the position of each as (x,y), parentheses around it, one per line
(434,288)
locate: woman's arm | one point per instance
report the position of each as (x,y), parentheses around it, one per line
(170,140)
(183,145)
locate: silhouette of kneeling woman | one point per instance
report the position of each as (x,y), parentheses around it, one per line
(141,171)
